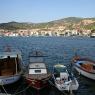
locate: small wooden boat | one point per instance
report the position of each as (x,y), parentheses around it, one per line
(63,80)
(84,66)
(10,66)
(38,74)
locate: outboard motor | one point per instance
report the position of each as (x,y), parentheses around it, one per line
(64,76)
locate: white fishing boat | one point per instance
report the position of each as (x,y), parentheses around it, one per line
(38,74)
(84,66)
(63,80)
(10,66)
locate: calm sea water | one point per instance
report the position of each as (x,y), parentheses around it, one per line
(58,50)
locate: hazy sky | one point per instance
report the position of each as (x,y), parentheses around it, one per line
(44,10)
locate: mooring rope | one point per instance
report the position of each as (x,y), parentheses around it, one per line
(1,83)
(4,90)
(22,90)
(18,88)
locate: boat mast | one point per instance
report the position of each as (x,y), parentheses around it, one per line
(16,65)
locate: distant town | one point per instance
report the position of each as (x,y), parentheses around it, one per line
(71,26)
(46,32)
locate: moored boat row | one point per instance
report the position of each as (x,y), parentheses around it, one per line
(37,74)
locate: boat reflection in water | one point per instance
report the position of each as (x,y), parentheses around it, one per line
(37,75)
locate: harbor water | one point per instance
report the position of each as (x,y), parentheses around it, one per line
(58,50)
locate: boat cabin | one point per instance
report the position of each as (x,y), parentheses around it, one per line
(60,71)
(37,68)
(9,65)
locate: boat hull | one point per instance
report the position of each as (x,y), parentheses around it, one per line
(84,73)
(4,80)
(37,84)
(62,87)
(72,86)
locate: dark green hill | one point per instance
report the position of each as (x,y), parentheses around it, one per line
(69,20)
(15,25)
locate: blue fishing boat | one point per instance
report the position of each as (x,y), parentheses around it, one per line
(84,66)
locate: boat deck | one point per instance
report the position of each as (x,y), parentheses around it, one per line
(73,82)
(8,66)
(38,76)
(6,72)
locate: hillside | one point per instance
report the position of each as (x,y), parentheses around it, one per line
(68,23)
(15,25)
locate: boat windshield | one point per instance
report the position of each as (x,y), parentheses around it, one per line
(60,69)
